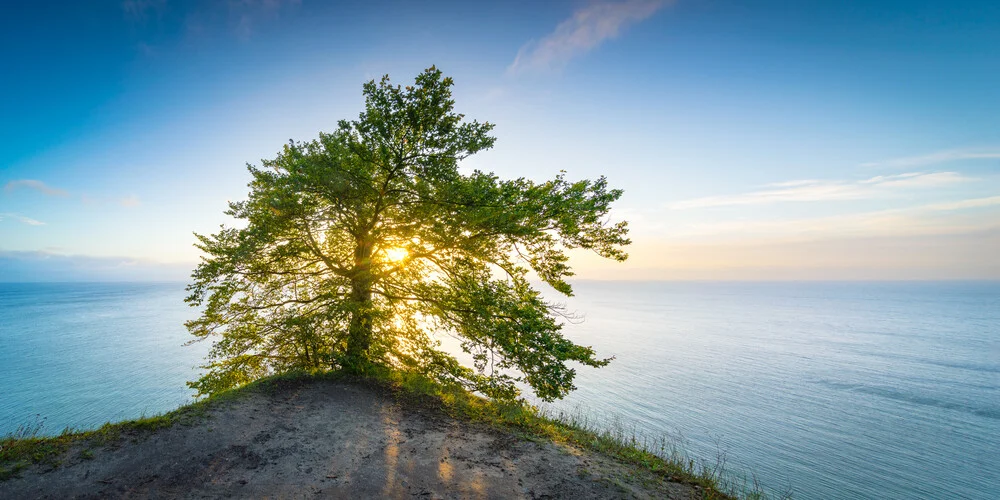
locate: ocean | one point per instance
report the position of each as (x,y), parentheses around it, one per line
(834,390)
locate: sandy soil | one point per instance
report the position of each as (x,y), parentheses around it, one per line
(335,439)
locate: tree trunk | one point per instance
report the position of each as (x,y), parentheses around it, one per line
(359,334)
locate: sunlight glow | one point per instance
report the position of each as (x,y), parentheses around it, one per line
(395,254)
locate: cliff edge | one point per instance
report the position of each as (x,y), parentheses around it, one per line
(330,438)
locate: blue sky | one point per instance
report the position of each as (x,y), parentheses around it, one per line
(754,140)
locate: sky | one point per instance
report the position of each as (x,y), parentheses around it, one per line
(766,140)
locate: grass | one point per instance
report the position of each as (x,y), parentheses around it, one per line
(663,457)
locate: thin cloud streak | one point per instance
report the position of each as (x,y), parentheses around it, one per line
(965,204)
(586,29)
(24,220)
(935,158)
(932,219)
(826,190)
(241,17)
(868,257)
(36,185)
(50,266)
(130,201)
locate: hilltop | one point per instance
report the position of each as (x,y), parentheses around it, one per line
(309,436)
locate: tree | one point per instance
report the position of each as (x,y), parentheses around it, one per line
(360,245)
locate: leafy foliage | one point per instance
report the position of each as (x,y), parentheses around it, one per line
(362,245)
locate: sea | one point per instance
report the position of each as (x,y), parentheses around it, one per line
(829,390)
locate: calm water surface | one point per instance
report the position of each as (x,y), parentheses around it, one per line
(839,390)
(82,354)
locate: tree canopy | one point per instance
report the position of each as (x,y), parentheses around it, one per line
(360,247)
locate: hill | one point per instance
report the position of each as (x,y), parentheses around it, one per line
(308,436)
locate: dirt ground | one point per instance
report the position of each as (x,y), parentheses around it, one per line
(335,439)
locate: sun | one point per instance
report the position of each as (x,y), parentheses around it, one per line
(396,254)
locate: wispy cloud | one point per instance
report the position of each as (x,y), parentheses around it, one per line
(24,220)
(965,204)
(129,201)
(138,10)
(249,12)
(241,17)
(865,257)
(936,158)
(33,184)
(826,190)
(929,219)
(583,31)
